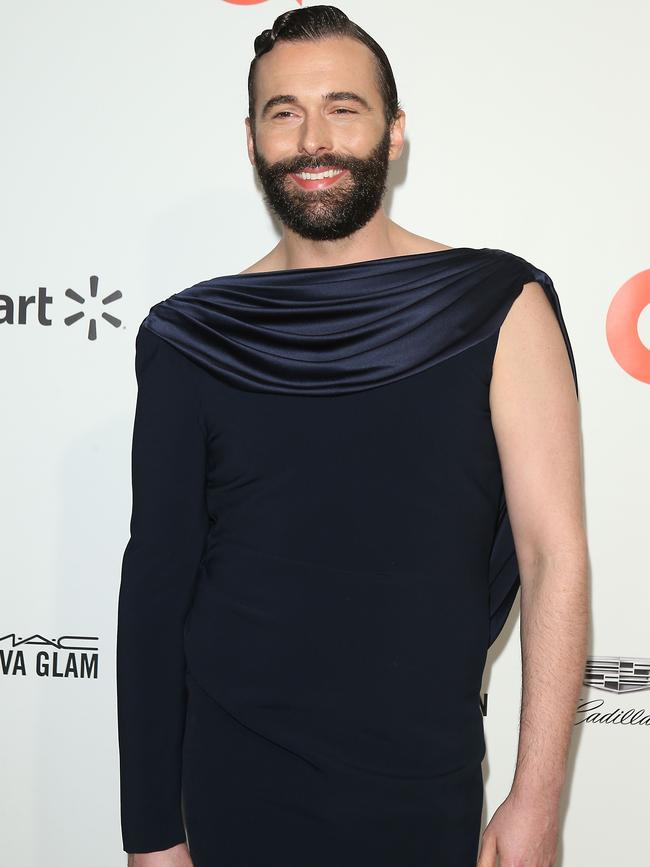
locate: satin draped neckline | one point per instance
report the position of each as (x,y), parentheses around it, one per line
(335,329)
(331,330)
(328,269)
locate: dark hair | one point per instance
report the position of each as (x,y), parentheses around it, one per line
(319,22)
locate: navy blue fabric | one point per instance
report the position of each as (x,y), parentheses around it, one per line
(345,328)
(341,328)
(319,531)
(251,803)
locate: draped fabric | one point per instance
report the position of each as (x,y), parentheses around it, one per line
(344,328)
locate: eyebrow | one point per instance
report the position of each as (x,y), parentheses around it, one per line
(332,96)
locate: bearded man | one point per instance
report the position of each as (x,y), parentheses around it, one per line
(347,459)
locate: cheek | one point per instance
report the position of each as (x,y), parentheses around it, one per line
(278,150)
(357,141)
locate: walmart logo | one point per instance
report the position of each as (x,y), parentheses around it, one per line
(92,316)
(33,309)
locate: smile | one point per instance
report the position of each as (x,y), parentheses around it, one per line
(317,180)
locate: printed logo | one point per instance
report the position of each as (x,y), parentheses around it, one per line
(617,673)
(92,321)
(32,309)
(622,326)
(252,2)
(620,675)
(69,656)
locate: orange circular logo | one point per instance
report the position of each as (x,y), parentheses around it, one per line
(622,326)
(252,2)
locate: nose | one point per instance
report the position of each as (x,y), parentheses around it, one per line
(315,137)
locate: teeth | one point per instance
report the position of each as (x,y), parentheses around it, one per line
(307,176)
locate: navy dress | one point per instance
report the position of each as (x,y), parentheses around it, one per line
(320,557)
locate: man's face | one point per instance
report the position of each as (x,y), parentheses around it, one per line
(326,113)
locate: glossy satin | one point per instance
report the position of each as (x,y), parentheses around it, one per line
(344,328)
(341,328)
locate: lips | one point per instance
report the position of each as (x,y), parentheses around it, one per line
(318,183)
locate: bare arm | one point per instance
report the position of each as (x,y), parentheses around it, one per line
(176,856)
(535,416)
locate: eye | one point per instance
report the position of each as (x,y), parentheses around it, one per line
(346,110)
(282,112)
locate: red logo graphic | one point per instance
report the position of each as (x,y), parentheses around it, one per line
(252,2)
(622,326)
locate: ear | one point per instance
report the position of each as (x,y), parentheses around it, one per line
(397,135)
(249,141)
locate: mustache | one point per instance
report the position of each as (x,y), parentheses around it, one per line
(307,166)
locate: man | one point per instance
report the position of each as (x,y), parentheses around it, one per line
(324,123)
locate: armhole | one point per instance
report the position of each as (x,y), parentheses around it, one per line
(503,573)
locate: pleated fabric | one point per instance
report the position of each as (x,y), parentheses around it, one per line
(339,329)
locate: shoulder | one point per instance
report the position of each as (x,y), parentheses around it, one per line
(530,315)
(532,360)
(157,331)
(148,343)
(161,365)
(532,303)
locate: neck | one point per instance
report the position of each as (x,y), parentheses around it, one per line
(380,237)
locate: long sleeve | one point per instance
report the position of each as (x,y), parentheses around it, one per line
(169,524)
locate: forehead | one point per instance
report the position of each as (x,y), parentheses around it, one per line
(313,67)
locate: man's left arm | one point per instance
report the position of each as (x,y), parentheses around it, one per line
(535,417)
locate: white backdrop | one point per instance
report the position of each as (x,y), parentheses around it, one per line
(123,159)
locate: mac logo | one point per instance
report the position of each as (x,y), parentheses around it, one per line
(68,656)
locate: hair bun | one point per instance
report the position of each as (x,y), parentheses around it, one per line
(280,21)
(264,41)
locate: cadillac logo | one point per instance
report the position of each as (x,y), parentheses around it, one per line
(617,673)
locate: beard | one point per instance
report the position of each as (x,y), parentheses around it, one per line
(334,212)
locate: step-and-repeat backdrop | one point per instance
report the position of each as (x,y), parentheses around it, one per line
(125,179)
